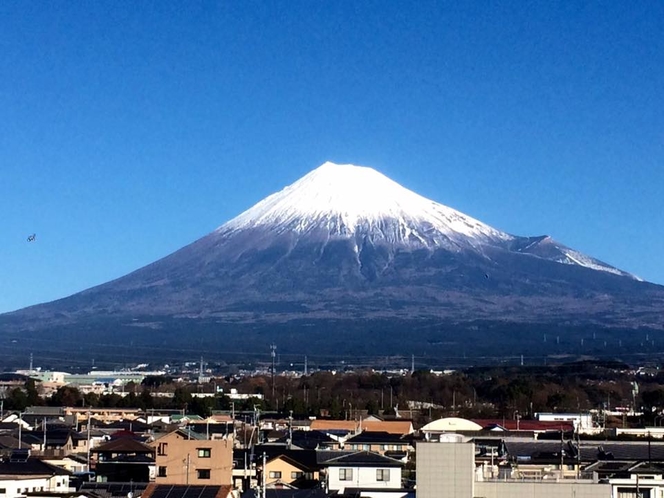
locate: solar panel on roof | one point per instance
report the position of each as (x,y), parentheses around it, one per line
(19,456)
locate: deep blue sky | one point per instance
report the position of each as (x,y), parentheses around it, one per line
(129,129)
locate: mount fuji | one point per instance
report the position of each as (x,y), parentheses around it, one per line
(343,251)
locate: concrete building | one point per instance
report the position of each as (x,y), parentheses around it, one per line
(446,469)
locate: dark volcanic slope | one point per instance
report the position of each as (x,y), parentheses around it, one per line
(286,279)
(305,254)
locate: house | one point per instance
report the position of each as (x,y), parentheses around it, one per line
(309,440)
(123,460)
(291,470)
(380,442)
(187,457)
(23,474)
(71,463)
(363,470)
(54,441)
(283,466)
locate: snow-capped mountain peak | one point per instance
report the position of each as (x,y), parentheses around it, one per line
(359,204)
(345,199)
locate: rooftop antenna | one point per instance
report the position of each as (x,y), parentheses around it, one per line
(412,364)
(305,366)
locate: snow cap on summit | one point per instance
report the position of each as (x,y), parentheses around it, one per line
(344,198)
(359,204)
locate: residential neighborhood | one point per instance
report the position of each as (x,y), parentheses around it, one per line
(251,450)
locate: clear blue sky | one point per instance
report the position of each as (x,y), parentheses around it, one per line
(129,129)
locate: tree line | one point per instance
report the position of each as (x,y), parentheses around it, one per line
(496,392)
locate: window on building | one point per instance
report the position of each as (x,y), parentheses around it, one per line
(203,473)
(383,447)
(3,491)
(275,474)
(162,448)
(382,474)
(162,472)
(366,447)
(345,474)
(296,475)
(204,452)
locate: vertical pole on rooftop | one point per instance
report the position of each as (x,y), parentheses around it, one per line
(305,366)
(412,364)
(30,363)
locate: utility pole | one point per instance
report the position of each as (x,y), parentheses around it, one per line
(263,476)
(88,445)
(273,353)
(290,431)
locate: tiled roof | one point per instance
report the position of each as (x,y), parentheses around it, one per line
(377,438)
(525,425)
(364,459)
(335,425)
(32,466)
(390,426)
(622,450)
(123,445)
